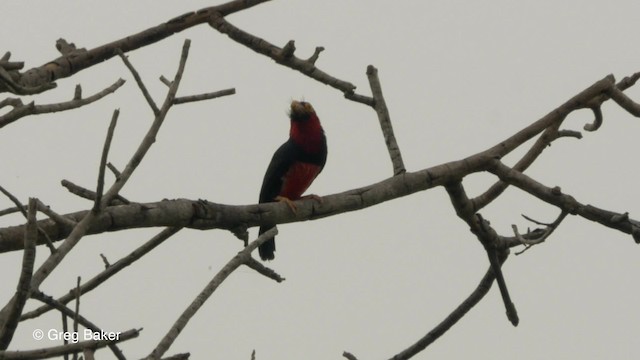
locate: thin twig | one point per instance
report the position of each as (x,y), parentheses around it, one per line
(61,220)
(261,269)
(114,170)
(165,81)
(349,356)
(11,210)
(65,329)
(90,195)
(140,83)
(32,109)
(241,258)
(472,300)
(98,204)
(69,64)
(283,56)
(76,313)
(183,356)
(40,296)
(200,97)
(150,137)
(110,271)
(105,261)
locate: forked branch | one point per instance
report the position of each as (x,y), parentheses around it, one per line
(241,258)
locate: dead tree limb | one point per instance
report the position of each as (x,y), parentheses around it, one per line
(107,273)
(42,78)
(472,300)
(10,314)
(241,258)
(55,351)
(20,110)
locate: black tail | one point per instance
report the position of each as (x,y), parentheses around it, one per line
(267,249)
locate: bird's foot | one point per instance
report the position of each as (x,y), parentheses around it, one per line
(287,201)
(314,197)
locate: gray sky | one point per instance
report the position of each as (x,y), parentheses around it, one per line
(458,77)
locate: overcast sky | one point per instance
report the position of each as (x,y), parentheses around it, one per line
(458,77)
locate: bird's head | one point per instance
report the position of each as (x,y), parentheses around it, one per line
(301,111)
(306,130)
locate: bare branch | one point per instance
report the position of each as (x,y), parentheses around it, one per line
(487,236)
(8,83)
(105,261)
(241,258)
(548,126)
(66,349)
(283,56)
(349,356)
(114,170)
(536,236)
(19,206)
(77,318)
(10,314)
(472,300)
(32,109)
(98,204)
(41,78)
(143,88)
(366,100)
(624,101)
(183,356)
(108,272)
(597,121)
(10,65)
(165,81)
(61,220)
(11,210)
(380,106)
(90,195)
(200,97)
(76,313)
(261,269)
(565,202)
(150,137)
(22,208)
(55,258)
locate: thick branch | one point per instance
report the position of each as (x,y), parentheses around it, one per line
(76,61)
(206,215)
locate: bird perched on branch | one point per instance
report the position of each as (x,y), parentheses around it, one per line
(294,165)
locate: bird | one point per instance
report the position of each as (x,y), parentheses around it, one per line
(294,166)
